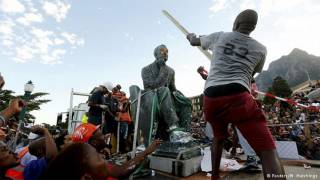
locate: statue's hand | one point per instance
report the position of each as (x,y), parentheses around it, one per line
(161,62)
(175,93)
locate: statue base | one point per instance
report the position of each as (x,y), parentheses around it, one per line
(177,150)
(180,159)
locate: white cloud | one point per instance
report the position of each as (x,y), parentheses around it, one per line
(58,52)
(12,6)
(52,58)
(24,53)
(40,33)
(42,40)
(73,39)
(29,18)
(218,5)
(7,43)
(58,9)
(23,37)
(58,41)
(6,27)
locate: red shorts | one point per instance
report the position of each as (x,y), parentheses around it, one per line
(242,111)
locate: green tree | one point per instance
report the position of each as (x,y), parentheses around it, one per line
(281,88)
(269,100)
(33,104)
(5,96)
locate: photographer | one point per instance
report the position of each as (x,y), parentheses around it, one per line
(110,116)
(97,103)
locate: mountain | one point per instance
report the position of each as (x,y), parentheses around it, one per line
(293,68)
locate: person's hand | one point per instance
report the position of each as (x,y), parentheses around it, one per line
(1,82)
(153,146)
(190,36)
(16,105)
(38,130)
(200,69)
(105,153)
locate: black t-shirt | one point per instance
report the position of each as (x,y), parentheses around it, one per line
(113,104)
(96,98)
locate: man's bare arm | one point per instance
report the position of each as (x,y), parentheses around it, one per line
(129,167)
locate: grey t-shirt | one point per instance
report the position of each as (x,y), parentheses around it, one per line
(235,57)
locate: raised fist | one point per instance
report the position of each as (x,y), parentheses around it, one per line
(200,69)
(190,36)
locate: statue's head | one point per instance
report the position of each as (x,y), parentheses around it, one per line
(161,53)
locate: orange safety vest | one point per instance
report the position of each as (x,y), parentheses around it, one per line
(122,116)
(117,95)
(125,117)
(23,152)
(15,173)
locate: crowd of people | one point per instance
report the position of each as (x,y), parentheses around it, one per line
(294,123)
(80,155)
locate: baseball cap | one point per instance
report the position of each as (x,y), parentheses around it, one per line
(84,132)
(108,85)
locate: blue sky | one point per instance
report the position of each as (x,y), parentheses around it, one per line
(64,44)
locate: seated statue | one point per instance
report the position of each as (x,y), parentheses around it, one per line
(165,112)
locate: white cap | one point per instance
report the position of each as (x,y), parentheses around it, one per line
(107,85)
(32,136)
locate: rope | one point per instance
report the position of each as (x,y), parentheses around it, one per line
(290,101)
(293,124)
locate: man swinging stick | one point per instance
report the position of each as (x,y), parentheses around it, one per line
(236,58)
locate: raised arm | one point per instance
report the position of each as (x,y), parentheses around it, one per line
(193,39)
(203,73)
(129,167)
(51,148)
(15,106)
